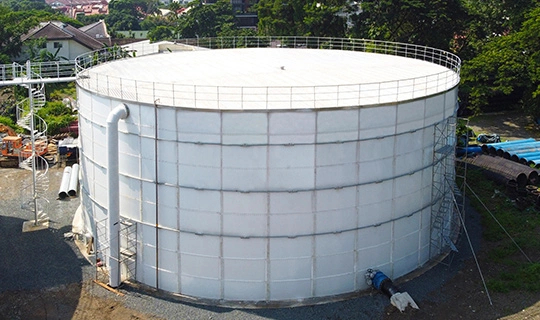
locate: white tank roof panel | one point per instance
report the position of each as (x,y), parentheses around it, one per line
(271,78)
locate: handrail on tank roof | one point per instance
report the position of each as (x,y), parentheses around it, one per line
(394,88)
(434,55)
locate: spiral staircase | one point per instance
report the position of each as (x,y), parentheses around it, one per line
(33,190)
(33,76)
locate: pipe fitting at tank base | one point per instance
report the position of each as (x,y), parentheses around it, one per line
(378,280)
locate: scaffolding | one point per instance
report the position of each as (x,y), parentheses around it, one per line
(448,203)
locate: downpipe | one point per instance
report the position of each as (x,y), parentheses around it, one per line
(113,187)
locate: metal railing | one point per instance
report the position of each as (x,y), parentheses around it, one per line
(41,72)
(275,97)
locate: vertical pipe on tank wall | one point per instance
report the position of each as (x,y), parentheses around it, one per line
(156,172)
(118,113)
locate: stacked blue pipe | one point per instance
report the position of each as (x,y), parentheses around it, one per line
(493,147)
(521,148)
(524,157)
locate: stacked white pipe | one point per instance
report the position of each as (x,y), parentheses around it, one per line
(70,182)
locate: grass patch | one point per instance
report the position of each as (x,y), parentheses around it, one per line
(524,277)
(508,269)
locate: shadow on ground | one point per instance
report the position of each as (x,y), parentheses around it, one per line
(37,262)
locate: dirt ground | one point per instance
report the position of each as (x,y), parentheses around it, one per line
(512,125)
(460,297)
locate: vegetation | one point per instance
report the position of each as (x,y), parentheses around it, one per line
(26,5)
(302,18)
(57,116)
(201,21)
(506,70)
(58,112)
(7,121)
(425,22)
(126,14)
(508,269)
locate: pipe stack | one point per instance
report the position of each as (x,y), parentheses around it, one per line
(503,170)
(70,182)
(492,148)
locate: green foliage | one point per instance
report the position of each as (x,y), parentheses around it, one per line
(59,91)
(506,66)
(322,20)
(501,253)
(303,18)
(86,20)
(174,6)
(12,26)
(152,22)
(526,277)
(7,121)
(425,22)
(488,19)
(7,106)
(127,14)
(57,116)
(206,20)
(160,33)
(27,5)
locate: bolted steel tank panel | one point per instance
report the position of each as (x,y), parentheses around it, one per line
(241,204)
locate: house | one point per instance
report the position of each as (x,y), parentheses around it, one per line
(98,30)
(69,41)
(72,8)
(88,9)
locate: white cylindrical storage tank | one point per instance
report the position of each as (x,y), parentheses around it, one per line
(274,175)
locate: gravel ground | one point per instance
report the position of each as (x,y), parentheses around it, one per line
(44,276)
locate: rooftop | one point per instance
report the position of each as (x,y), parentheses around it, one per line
(270,78)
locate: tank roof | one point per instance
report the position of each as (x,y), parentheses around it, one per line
(342,78)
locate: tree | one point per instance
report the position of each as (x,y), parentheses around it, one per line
(507,66)
(57,116)
(123,15)
(206,20)
(323,20)
(86,20)
(427,22)
(301,18)
(160,33)
(13,25)
(27,5)
(279,17)
(126,14)
(487,19)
